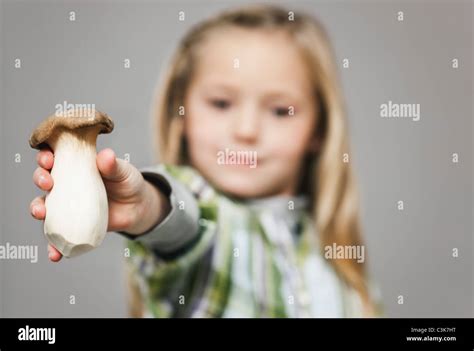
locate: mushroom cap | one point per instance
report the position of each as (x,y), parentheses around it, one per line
(71,120)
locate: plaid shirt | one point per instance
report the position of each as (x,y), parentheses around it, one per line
(217,257)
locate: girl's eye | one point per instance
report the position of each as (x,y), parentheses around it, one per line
(220,103)
(281,111)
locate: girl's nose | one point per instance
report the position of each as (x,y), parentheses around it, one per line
(246,126)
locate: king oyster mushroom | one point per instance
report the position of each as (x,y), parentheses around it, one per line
(76,207)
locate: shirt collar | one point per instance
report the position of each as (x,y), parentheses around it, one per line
(288,208)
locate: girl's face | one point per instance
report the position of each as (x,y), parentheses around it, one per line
(250,113)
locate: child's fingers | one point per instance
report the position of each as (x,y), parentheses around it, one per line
(45,159)
(53,254)
(38,211)
(37,208)
(42,179)
(112,168)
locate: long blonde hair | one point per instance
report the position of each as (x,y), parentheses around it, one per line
(328,180)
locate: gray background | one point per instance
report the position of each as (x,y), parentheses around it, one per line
(410,251)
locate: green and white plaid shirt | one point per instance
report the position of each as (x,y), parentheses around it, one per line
(213,256)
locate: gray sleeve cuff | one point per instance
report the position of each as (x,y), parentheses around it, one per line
(181,225)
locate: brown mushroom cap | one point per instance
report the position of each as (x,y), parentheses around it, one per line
(73,120)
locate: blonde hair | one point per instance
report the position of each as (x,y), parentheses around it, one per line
(328,180)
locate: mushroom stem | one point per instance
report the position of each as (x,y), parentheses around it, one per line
(76,208)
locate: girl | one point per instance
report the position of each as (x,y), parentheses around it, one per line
(253,190)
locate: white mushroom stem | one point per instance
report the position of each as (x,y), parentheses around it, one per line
(76,208)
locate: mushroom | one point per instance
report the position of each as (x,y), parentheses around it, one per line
(76,207)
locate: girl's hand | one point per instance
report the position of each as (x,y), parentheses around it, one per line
(134,204)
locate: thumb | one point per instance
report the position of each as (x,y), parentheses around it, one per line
(112,168)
